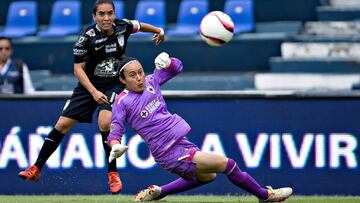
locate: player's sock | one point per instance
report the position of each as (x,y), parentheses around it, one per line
(244,180)
(111,165)
(51,143)
(179,185)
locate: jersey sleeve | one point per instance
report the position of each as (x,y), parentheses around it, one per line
(80,49)
(117,128)
(165,74)
(133,25)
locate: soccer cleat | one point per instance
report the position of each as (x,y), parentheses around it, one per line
(151,193)
(114,182)
(31,173)
(277,195)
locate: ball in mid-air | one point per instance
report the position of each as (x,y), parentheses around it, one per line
(216,28)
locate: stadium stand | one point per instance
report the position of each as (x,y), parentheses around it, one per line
(339,10)
(21,19)
(65,19)
(119,9)
(241,12)
(189,17)
(323,48)
(152,12)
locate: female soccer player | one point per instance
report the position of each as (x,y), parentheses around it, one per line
(96,52)
(142,105)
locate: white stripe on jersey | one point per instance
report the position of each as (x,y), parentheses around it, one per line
(136,25)
(122,95)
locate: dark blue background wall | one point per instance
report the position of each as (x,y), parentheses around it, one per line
(315,143)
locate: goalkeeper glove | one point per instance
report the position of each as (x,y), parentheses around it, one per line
(162,61)
(116,151)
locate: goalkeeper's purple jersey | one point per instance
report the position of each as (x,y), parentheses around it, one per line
(147,113)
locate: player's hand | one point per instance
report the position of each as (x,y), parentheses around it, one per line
(162,61)
(159,37)
(116,151)
(100,97)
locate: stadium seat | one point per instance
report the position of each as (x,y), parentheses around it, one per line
(65,19)
(189,17)
(21,19)
(242,14)
(119,9)
(152,12)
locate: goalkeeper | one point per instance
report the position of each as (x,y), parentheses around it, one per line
(142,105)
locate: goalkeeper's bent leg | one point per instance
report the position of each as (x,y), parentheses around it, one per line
(244,180)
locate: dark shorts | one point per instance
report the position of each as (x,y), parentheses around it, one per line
(81,105)
(178,160)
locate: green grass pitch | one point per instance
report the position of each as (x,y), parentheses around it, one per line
(173,198)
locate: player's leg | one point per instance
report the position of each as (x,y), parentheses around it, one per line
(207,163)
(104,122)
(79,108)
(51,143)
(180,163)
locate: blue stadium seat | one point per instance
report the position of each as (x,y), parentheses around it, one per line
(65,19)
(21,19)
(119,9)
(189,17)
(152,12)
(241,12)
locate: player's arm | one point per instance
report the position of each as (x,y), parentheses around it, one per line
(159,34)
(79,71)
(117,130)
(166,67)
(80,54)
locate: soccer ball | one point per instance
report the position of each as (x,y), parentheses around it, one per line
(216,28)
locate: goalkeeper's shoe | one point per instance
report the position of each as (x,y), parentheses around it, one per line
(31,173)
(149,194)
(278,195)
(114,182)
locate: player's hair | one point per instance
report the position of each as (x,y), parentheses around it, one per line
(122,64)
(6,38)
(98,2)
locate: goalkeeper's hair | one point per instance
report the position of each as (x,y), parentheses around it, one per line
(120,65)
(98,2)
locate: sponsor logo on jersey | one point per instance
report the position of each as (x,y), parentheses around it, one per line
(151,107)
(79,52)
(98,41)
(98,48)
(106,68)
(110,48)
(121,40)
(150,89)
(91,33)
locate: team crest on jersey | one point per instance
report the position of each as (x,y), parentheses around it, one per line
(144,114)
(91,33)
(81,39)
(121,40)
(150,89)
